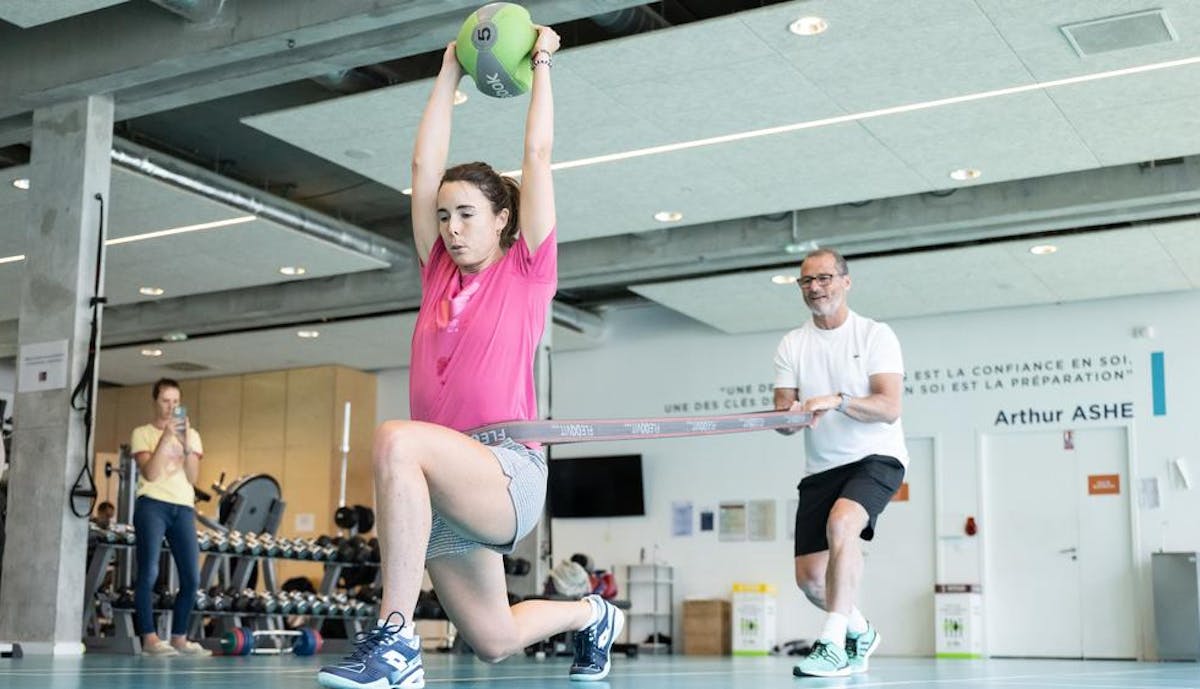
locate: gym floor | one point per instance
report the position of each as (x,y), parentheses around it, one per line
(678,672)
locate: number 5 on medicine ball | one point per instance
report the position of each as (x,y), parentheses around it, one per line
(494,46)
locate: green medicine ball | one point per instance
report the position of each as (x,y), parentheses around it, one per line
(494,46)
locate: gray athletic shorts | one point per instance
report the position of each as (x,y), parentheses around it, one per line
(526,470)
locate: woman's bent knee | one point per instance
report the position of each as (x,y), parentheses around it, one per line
(391,439)
(494,650)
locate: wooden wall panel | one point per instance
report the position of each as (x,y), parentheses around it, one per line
(104,422)
(134,408)
(218,419)
(359,389)
(309,409)
(264,408)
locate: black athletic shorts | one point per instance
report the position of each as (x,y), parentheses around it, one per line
(871,482)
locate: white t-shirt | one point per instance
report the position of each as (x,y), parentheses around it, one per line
(825,362)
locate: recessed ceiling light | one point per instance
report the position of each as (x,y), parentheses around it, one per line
(176,336)
(308,334)
(459,97)
(784,279)
(965,174)
(1042,249)
(668,216)
(359,153)
(292,271)
(151,291)
(800,247)
(808,26)
(406,192)
(21,183)
(12,259)
(152,351)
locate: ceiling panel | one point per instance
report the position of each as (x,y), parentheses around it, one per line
(1012,137)
(27,13)
(1032,30)
(881,54)
(1139,132)
(221,258)
(1105,264)
(1182,242)
(366,343)
(1095,265)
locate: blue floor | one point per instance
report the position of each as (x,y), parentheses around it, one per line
(677,672)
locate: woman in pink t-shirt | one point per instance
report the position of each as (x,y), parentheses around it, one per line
(447,503)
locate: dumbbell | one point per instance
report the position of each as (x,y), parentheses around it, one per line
(124,599)
(245,600)
(202,601)
(318,605)
(99,535)
(244,641)
(237,543)
(218,599)
(286,548)
(254,545)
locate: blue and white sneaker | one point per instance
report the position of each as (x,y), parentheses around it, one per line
(592,645)
(382,658)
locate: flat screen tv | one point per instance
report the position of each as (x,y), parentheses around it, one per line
(608,486)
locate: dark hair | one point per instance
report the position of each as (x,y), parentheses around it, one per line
(163,383)
(837,258)
(106,505)
(503,193)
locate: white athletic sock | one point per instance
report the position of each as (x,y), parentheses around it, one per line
(597,611)
(856,624)
(408,632)
(835,629)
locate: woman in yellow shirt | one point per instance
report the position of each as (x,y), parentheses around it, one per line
(167,471)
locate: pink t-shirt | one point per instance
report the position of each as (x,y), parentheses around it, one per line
(476,336)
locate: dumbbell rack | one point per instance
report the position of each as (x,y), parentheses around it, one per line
(125,639)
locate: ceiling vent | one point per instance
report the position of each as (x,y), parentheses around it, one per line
(186,367)
(1108,34)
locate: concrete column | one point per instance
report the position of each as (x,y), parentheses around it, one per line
(41,593)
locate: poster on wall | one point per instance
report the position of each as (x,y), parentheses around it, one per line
(42,366)
(681,518)
(731,521)
(760,520)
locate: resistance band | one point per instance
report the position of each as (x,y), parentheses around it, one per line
(556,431)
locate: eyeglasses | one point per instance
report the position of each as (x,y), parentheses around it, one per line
(822,280)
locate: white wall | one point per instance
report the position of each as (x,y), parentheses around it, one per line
(655,361)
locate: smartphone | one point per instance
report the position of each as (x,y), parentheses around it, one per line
(179,418)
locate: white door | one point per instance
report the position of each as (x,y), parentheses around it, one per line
(1058,555)
(897,587)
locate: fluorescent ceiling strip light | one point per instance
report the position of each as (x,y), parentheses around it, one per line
(871,114)
(181,230)
(160,233)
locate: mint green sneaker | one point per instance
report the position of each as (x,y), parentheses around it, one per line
(826,659)
(859,648)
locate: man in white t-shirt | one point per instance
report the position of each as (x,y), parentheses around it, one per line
(847,370)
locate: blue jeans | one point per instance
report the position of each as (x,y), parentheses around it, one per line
(154,519)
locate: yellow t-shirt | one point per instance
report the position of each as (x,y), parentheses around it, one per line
(172,486)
